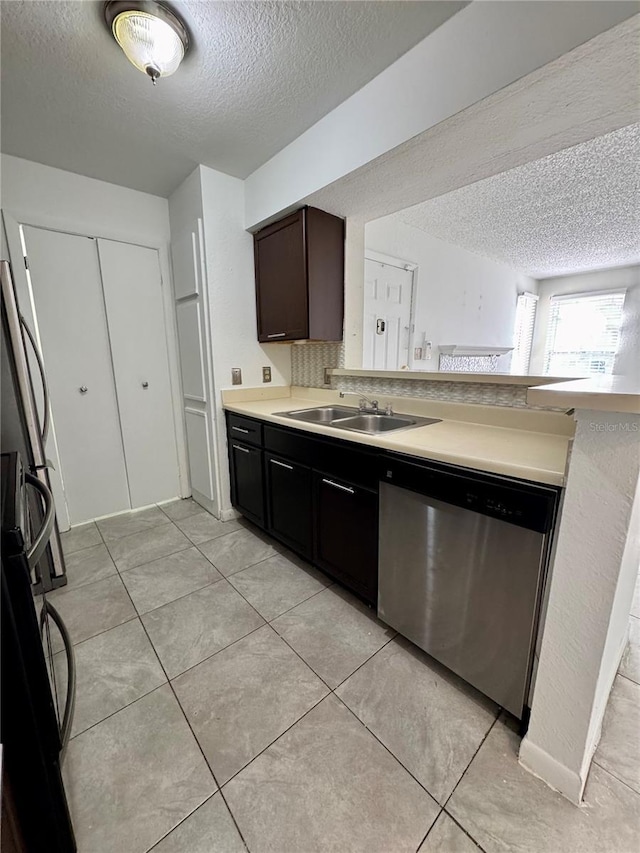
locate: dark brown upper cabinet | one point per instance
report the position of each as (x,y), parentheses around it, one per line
(300,277)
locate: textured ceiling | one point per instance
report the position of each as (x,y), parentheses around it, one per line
(260,74)
(575,210)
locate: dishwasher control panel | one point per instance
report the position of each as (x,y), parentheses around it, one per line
(524,504)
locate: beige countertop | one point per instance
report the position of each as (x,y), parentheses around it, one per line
(444,376)
(503,447)
(601,393)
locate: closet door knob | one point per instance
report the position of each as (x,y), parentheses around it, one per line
(83,389)
(145,384)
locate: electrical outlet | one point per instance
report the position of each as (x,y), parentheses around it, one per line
(266,374)
(417,353)
(236,376)
(327,376)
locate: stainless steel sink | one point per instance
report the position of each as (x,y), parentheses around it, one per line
(344,417)
(372,423)
(321,414)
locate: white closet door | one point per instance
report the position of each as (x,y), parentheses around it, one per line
(69,307)
(133,295)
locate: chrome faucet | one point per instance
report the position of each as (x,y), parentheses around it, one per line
(374,408)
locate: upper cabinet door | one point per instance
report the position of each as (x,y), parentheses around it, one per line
(300,277)
(281,280)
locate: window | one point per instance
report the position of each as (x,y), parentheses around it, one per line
(583,333)
(523,334)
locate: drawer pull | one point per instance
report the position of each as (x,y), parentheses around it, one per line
(243,449)
(279,335)
(282,464)
(240,429)
(338,486)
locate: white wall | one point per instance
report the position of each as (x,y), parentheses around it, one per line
(232,302)
(66,199)
(592,581)
(461,297)
(478,51)
(628,359)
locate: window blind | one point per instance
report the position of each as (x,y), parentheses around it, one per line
(583,333)
(523,332)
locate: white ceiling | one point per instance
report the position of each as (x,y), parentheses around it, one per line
(260,73)
(575,210)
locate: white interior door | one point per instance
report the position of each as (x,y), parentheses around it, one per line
(387,316)
(197,382)
(133,296)
(72,326)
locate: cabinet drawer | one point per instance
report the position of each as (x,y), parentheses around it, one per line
(244,429)
(329,455)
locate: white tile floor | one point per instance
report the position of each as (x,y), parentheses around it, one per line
(230,698)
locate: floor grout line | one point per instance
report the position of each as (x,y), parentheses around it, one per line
(611,773)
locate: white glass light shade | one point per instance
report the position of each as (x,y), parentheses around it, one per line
(149,43)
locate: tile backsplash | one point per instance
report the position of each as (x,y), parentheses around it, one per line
(308,362)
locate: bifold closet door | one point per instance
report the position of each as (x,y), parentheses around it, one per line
(132,285)
(67,292)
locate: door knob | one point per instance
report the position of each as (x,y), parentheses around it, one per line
(83,389)
(145,384)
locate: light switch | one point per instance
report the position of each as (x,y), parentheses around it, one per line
(236,376)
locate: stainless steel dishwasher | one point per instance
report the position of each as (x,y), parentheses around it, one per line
(462,564)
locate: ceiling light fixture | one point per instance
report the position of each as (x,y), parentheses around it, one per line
(152,37)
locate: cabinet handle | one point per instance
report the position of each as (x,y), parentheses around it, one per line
(239,429)
(243,449)
(279,335)
(282,464)
(338,486)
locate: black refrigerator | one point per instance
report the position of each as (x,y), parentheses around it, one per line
(37,665)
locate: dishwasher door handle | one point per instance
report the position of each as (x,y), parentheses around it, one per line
(338,486)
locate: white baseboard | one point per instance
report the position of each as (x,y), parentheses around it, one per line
(556,775)
(229,514)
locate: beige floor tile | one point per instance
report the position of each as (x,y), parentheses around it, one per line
(198,625)
(238,550)
(134,776)
(210,829)
(504,807)
(168,578)
(203,526)
(148,545)
(112,671)
(334,633)
(93,608)
(619,747)
(278,584)
(88,565)
(128,523)
(328,786)
(430,720)
(243,698)
(445,836)
(79,537)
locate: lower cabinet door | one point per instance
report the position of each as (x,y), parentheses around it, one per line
(346,534)
(247,487)
(289,510)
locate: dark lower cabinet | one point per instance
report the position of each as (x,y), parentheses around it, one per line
(289,512)
(247,482)
(346,534)
(331,521)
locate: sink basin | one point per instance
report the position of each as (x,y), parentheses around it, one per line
(321,414)
(344,417)
(374,423)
